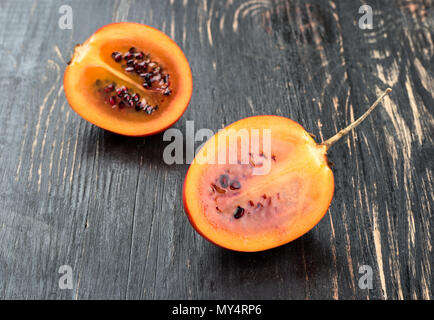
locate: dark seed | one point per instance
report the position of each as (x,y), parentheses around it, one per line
(235,185)
(136,97)
(142,64)
(147,76)
(139,55)
(131,103)
(127,97)
(224,180)
(138,106)
(117,56)
(129,69)
(132,50)
(120,92)
(121,105)
(128,56)
(239,212)
(167,92)
(112,101)
(130,62)
(109,88)
(149,109)
(166,78)
(217,188)
(147,85)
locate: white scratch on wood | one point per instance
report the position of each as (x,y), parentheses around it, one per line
(32,10)
(348,250)
(120,13)
(50,166)
(205,5)
(247,6)
(44,138)
(38,123)
(208,25)
(378,252)
(200,14)
(426,79)
(74,154)
(61,144)
(416,115)
(172,26)
(334,258)
(20,157)
(222,23)
(59,54)
(250,102)
(252,9)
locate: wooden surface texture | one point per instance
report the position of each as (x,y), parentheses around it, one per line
(109,207)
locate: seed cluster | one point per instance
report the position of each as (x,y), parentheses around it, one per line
(224,183)
(154,78)
(122,97)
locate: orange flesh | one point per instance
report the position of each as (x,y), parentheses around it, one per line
(93,61)
(278,207)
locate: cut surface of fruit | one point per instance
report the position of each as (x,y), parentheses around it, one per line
(238,208)
(130,79)
(261,182)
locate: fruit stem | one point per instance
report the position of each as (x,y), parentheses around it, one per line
(331,141)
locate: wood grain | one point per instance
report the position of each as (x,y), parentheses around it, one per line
(108,206)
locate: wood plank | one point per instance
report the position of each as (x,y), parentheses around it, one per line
(109,207)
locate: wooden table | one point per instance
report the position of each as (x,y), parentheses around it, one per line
(110,208)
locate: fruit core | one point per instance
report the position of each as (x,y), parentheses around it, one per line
(140,67)
(237,200)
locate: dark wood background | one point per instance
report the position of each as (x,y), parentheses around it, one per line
(108,206)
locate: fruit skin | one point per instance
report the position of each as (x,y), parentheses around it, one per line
(219,237)
(166,48)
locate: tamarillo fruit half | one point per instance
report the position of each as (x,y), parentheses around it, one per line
(234,205)
(130,79)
